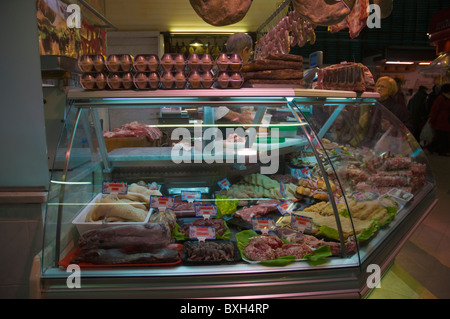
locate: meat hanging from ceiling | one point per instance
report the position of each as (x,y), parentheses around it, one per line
(323,12)
(356,21)
(292,30)
(221,12)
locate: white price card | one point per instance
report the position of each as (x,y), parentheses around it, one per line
(286,207)
(161,202)
(224,183)
(115,187)
(202,232)
(205,210)
(191,196)
(263,224)
(301,222)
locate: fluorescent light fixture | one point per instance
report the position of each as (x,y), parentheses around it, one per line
(70,183)
(424,63)
(400,62)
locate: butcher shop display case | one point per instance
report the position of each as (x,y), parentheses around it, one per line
(160,194)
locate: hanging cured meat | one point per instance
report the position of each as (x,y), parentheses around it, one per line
(292,30)
(221,12)
(386,7)
(324,12)
(356,21)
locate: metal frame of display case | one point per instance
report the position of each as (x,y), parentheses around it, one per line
(339,277)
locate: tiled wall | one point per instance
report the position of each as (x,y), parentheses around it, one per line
(21,239)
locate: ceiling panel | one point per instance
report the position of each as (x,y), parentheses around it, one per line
(179,16)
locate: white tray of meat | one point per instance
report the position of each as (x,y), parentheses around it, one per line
(107,211)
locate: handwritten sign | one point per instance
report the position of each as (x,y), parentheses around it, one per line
(205,210)
(285,207)
(115,187)
(263,224)
(202,232)
(161,202)
(301,222)
(224,183)
(191,196)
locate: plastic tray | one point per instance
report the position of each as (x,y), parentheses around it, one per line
(82,226)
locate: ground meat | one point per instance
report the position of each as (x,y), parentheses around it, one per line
(297,250)
(262,247)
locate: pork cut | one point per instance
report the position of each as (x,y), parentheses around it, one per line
(135,129)
(221,12)
(262,247)
(323,12)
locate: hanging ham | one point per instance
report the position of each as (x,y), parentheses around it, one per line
(221,12)
(324,12)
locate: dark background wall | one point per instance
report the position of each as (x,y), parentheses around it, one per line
(404,30)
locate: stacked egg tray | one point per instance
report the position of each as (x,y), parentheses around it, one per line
(148,72)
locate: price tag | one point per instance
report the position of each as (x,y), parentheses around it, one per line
(283,189)
(285,207)
(115,187)
(205,210)
(297,173)
(305,172)
(224,183)
(263,224)
(190,196)
(301,222)
(362,196)
(202,232)
(161,202)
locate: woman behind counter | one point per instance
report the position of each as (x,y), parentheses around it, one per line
(242,44)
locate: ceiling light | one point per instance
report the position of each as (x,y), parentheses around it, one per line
(424,63)
(196,43)
(399,62)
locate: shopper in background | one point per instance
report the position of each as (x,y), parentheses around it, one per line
(432,96)
(387,88)
(440,122)
(242,44)
(399,97)
(417,107)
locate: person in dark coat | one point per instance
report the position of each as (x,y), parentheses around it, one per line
(440,122)
(417,107)
(387,88)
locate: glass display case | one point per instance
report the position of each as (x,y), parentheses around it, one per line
(308,198)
